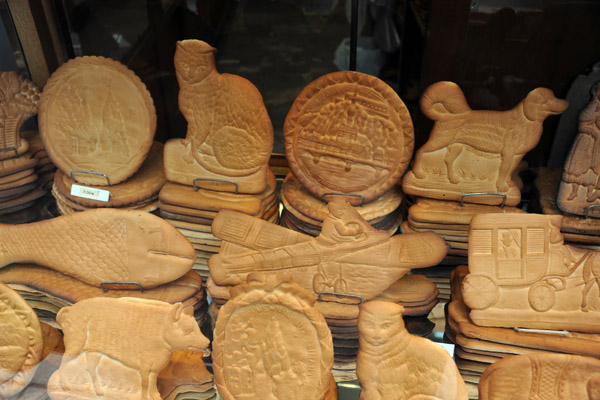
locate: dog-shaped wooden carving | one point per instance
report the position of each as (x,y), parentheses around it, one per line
(505,134)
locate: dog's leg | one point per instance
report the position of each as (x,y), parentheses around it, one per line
(592,194)
(435,142)
(508,164)
(574,190)
(418,168)
(452,152)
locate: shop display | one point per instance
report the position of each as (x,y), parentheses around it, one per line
(392,364)
(207,203)
(186,377)
(117,347)
(230,135)
(349,133)
(21,343)
(12,166)
(102,246)
(449,219)
(97,120)
(548,376)
(473,151)
(271,342)
(519,267)
(19,100)
(579,190)
(347,250)
(138,191)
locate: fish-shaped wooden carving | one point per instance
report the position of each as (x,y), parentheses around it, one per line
(102,245)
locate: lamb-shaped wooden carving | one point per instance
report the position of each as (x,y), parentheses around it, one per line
(115,348)
(473,151)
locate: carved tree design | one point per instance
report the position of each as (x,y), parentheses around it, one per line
(19,100)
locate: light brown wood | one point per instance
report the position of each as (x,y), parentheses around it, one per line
(29,38)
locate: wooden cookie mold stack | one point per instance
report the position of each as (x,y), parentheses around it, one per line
(524,292)
(97,123)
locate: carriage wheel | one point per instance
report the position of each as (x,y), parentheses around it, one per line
(320,283)
(541,297)
(479,292)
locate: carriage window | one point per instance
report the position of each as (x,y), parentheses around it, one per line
(535,241)
(481,242)
(509,244)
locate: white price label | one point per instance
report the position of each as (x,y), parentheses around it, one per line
(90,193)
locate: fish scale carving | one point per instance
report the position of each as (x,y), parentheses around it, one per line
(102,245)
(106,257)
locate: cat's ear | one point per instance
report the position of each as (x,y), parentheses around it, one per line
(381,309)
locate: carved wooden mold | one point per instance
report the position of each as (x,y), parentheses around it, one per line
(523,275)
(580,183)
(473,151)
(271,343)
(348,257)
(393,364)
(115,348)
(230,135)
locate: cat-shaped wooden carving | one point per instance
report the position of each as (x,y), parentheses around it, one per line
(230,135)
(393,364)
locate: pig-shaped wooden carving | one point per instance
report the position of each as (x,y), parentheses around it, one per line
(115,348)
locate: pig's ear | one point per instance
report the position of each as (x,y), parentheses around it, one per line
(176,311)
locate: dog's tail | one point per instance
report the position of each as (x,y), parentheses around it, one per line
(443,100)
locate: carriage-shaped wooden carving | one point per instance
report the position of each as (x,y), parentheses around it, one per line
(515,252)
(521,274)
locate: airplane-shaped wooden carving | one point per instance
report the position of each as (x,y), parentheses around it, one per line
(349,257)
